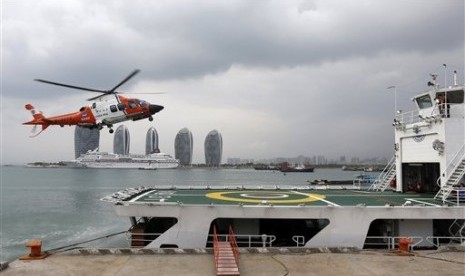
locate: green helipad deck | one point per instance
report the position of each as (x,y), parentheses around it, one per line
(283,197)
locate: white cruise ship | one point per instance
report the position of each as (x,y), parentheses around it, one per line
(105,160)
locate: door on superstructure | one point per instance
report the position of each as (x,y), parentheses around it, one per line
(420,177)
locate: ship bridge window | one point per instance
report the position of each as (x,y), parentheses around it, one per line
(454,96)
(113,108)
(424,101)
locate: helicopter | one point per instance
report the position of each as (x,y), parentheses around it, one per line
(106,109)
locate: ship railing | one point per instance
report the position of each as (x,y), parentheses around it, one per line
(409,117)
(448,110)
(299,240)
(456,196)
(391,242)
(440,110)
(247,241)
(216,250)
(363,180)
(140,239)
(437,241)
(233,243)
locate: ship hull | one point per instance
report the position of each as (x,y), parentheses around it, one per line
(297,217)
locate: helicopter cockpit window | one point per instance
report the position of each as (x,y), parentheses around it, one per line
(132,104)
(113,108)
(424,101)
(142,102)
(121,106)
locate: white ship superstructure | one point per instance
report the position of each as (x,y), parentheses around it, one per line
(95,159)
(430,144)
(418,196)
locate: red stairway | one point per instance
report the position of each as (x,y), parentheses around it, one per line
(226,254)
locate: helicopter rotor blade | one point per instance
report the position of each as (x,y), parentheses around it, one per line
(148,93)
(96,97)
(125,80)
(71,86)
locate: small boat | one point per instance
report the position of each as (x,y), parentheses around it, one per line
(286,167)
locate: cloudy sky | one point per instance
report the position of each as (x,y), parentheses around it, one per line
(276,78)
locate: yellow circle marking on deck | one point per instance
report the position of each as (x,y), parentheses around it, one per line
(224,196)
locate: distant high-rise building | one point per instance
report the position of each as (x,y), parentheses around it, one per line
(183,147)
(151,141)
(121,140)
(213,148)
(85,139)
(342,160)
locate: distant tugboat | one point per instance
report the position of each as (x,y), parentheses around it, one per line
(286,167)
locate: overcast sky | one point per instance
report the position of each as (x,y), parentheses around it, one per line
(275,78)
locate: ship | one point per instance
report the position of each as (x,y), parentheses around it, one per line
(418,199)
(286,167)
(106,160)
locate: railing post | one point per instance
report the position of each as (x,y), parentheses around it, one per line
(263,240)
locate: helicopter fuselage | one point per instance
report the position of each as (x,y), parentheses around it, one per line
(106,109)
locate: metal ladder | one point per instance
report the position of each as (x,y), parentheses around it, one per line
(385,177)
(454,172)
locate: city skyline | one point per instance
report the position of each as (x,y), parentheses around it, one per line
(213,148)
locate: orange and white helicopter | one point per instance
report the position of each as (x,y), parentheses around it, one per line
(106,110)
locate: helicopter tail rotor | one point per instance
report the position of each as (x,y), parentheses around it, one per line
(39,119)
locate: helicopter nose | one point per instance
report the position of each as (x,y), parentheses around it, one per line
(155,108)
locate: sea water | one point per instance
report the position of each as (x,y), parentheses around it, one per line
(61,206)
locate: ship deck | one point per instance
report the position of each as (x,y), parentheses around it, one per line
(283,197)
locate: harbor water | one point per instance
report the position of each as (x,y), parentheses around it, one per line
(61,206)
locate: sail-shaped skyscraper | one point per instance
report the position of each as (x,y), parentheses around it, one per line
(151,141)
(121,140)
(183,147)
(213,148)
(85,139)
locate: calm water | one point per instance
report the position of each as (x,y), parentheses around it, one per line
(62,206)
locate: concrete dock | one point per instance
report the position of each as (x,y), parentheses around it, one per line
(269,262)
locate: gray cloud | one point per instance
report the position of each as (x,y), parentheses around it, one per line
(318,68)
